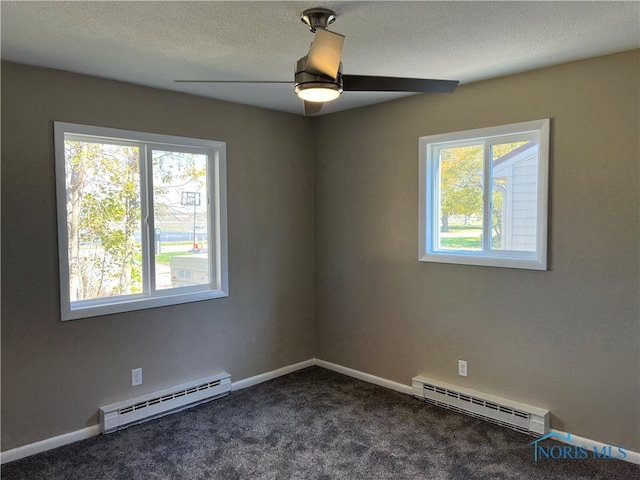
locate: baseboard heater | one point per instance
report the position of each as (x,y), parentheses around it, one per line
(507,413)
(137,410)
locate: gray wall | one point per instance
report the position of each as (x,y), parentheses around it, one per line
(55,375)
(566,339)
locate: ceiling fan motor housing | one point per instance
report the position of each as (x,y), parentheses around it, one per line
(305,79)
(302,76)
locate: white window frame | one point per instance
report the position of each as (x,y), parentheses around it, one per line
(429,147)
(150,297)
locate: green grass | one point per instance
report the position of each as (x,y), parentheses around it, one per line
(457,227)
(166,257)
(468,243)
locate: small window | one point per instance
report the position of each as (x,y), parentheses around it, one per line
(483,196)
(132,207)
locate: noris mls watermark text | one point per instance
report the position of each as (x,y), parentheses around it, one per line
(572,451)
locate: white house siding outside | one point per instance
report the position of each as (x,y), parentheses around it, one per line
(520,171)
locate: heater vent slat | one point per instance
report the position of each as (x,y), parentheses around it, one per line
(122,414)
(177,394)
(517,416)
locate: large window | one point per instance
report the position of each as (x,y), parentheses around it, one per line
(141,220)
(483,196)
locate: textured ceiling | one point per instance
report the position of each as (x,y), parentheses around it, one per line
(154,43)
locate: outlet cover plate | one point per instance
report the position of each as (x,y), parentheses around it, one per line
(462,368)
(136,377)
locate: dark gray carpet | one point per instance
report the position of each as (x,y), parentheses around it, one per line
(311,424)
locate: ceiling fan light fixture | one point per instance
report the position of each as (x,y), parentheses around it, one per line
(318,91)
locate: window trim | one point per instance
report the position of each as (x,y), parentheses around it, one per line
(428,221)
(218,286)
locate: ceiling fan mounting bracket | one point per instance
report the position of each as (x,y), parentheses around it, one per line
(316,18)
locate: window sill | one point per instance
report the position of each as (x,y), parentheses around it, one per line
(90,309)
(502,261)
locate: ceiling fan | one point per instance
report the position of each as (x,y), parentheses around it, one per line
(318,75)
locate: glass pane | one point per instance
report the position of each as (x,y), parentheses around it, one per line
(103,220)
(181,220)
(460,198)
(514,210)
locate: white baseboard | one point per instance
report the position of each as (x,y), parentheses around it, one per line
(49,444)
(632,457)
(366,377)
(54,442)
(265,377)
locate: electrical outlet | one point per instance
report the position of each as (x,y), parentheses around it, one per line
(136,377)
(462,368)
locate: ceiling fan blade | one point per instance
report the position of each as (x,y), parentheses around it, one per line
(311,108)
(367,83)
(234,81)
(325,53)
